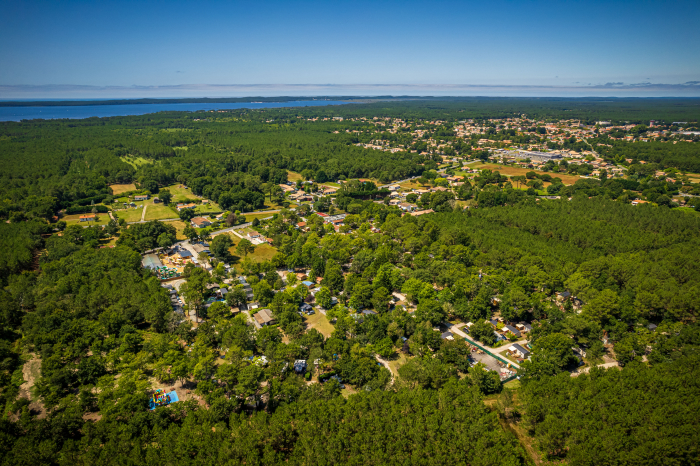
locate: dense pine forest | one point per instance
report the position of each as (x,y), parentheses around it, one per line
(92,332)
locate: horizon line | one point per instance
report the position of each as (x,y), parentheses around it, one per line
(609,89)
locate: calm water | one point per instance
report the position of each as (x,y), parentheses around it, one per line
(30,113)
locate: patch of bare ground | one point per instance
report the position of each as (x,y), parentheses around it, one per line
(31,371)
(184,390)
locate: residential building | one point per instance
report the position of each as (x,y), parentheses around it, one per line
(191,205)
(519,351)
(264,317)
(200,222)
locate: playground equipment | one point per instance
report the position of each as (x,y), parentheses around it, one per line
(160,398)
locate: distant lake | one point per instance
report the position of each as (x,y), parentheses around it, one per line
(73,112)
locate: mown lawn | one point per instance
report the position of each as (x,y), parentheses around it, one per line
(259,215)
(262,253)
(102,219)
(207,208)
(159,211)
(130,214)
(320,323)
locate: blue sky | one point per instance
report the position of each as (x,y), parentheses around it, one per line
(111,49)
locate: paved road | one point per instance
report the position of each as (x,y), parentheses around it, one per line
(457,331)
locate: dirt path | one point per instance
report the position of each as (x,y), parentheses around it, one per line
(386,364)
(143,214)
(31,371)
(586,369)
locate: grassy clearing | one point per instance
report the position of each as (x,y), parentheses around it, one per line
(347,391)
(102,219)
(320,323)
(259,215)
(467,203)
(118,189)
(180,193)
(512,385)
(294,176)
(398,362)
(131,214)
(136,162)
(180,228)
(262,252)
(411,185)
(207,208)
(518,171)
(159,211)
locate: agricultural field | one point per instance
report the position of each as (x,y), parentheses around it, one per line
(118,189)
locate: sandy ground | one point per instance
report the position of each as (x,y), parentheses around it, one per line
(31,371)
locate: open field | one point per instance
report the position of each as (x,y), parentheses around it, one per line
(294,176)
(207,208)
(412,184)
(320,323)
(180,228)
(179,192)
(518,171)
(262,252)
(131,214)
(159,211)
(259,215)
(117,189)
(102,219)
